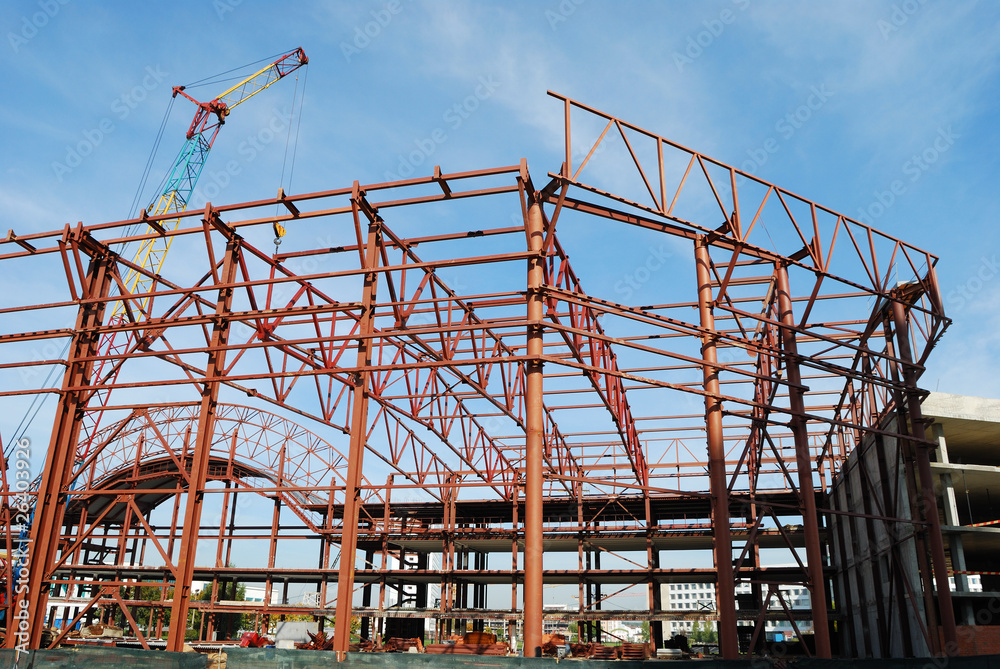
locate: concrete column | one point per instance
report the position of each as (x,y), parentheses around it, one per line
(967,615)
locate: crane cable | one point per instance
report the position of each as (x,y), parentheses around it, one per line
(298,124)
(206,81)
(279,231)
(22,427)
(137,198)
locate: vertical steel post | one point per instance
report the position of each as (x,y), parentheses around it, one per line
(655,591)
(803,464)
(50,504)
(359,428)
(214,371)
(534,439)
(512,625)
(725,590)
(946,610)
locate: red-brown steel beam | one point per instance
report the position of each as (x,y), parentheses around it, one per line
(50,505)
(534,436)
(928,499)
(359,431)
(214,371)
(725,590)
(810,520)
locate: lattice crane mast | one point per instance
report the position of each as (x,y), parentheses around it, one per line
(181,181)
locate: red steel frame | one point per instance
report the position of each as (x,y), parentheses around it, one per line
(804,341)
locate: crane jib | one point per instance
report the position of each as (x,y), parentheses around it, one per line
(134,305)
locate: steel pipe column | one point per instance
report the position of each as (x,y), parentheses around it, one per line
(725,590)
(803,463)
(534,438)
(359,429)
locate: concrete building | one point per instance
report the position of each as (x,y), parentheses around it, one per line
(693,598)
(881,567)
(967,467)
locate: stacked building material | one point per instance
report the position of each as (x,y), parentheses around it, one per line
(403,645)
(467,649)
(635,651)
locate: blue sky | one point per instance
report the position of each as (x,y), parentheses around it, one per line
(836,101)
(848,92)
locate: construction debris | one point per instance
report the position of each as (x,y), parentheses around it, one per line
(635,651)
(98,630)
(254,640)
(317,641)
(551,643)
(217,660)
(467,649)
(403,645)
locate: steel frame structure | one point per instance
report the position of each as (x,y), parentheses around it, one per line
(511,413)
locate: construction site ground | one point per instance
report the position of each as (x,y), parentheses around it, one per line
(263,658)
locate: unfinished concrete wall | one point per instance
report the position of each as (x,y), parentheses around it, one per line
(877,578)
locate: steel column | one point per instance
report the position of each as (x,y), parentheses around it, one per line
(534,438)
(655,588)
(928,499)
(214,372)
(50,505)
(800,435)
(725,590)
(359,429)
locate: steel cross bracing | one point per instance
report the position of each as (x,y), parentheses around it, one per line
(432,332)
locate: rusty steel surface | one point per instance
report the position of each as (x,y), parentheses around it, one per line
(421,383)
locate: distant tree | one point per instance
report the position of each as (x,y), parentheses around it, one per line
(645,630)
(226,624)
(696,635)
(149,593)
(574,631)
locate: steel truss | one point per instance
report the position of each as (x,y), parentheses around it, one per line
(508,410)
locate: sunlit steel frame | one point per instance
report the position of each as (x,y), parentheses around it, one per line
(427,360)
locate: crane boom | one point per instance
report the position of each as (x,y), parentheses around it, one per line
(187,168)
(174,197)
